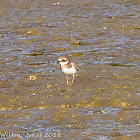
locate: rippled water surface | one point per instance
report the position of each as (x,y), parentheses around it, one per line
(102,37)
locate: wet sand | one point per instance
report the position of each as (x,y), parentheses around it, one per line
(102,37)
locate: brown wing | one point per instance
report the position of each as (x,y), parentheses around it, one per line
(75,65)
(68,65)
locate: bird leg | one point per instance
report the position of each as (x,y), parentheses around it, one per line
(67,80)
(72,79)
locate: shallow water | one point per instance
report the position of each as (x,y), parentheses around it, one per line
(102,37)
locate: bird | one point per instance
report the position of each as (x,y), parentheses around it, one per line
(68,67)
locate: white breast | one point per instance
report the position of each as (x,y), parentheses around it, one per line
(71,70)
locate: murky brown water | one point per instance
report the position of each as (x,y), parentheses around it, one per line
(103,37)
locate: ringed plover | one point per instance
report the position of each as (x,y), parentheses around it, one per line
(68,67)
